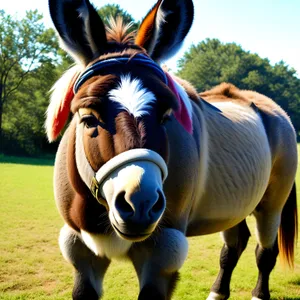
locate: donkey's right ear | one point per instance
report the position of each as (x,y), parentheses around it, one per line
(80,28)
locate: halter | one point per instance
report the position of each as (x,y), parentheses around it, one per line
(139,59)
(117,162)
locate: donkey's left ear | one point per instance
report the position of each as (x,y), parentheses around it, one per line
(164,28)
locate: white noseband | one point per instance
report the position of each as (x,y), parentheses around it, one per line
(130,156)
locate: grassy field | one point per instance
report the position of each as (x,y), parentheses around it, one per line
(31,266)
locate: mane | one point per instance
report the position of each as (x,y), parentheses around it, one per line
(120,32)
(225,92)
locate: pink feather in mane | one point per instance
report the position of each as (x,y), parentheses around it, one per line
(181,114)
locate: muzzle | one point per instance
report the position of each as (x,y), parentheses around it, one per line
(133,156)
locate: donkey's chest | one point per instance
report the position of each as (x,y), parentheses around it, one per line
(110,246)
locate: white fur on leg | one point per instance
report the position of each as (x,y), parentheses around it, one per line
(215,296)
(110,246)
(66,241)
(255,298)
(171,250)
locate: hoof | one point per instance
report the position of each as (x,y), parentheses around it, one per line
(215,296)
(149,292)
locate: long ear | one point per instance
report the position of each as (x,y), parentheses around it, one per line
(164,28)
(80,28)
(59,108)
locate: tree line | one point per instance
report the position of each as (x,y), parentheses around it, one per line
(211,62)
(31,61)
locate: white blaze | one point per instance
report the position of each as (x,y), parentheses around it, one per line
(132,96)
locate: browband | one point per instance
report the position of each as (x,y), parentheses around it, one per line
(139,59)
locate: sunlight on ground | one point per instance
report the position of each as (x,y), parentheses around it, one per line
(33,268)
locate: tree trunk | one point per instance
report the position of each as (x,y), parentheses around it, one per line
(1,136)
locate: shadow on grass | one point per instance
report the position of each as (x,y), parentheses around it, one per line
(295,281)
(48,161)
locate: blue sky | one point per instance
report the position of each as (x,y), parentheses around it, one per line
(270,28)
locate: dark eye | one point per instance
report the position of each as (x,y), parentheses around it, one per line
(89,121)
(166,117)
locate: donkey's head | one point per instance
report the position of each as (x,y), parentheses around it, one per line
(120,99)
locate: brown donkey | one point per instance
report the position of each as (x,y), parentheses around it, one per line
(146,162)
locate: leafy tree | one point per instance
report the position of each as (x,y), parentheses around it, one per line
(211,62)
(23,121)
(24,45)
(114,10)
(30,62)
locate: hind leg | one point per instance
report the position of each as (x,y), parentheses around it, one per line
(266,250)
(268,219)
(235,242)
(89,269)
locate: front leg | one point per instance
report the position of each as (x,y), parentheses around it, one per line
(157,261)
(89,269)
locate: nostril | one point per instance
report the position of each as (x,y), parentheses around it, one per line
(122,205)
(159,205)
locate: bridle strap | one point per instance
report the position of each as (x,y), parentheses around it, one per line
(95,189)
(100,66)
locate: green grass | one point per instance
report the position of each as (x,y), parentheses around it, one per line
(31,266)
